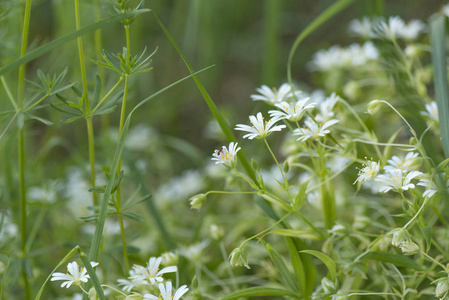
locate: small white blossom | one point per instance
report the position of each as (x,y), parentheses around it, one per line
(368,172)
(260,129)
(402,164)
(194,252)
(151,272)
(225,156)
(167,292)
(411,30)
(73,275)
(391,29)
(434,185)
(409,247)
(362,28)
(313,130)
(396,181)
(431,111)
(326,107)
(273,95)
(291,111)
(442,287)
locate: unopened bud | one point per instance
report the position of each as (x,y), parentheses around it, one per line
(197,201)
(374,106)
(239,257)
(170,258)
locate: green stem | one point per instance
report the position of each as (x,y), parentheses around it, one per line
(228,266)
(90,130)
(118,194)
(128,43)
(37,102)
(107,95)
(417,213)
(277,163)
(21,150)
(310,224)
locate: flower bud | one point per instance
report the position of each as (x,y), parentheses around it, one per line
(285,167)
(197,201)
(92,294)
(170,258)
(442,287)
(400,235)
(409,248)
(374,106)
(254,165)
(239,257)
(216,232)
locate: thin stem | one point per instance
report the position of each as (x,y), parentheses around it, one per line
(37,102)
(434,260)
(310,224)
(90,128)
(107,95)
(417,213)
(128,43)
(9,124)
(118,194)
(21,150)
(277,163)
(243,177)
(226,192)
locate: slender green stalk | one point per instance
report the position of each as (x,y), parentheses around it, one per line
(118,192)
(107,95)
(8,92)
(37,103)
(228,266)
(21,151)
(277,163)
(90,126)
(128,43)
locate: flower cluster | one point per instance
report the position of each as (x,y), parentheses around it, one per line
(74,275)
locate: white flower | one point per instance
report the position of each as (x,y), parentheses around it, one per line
(313,130)
(291,111)
(409,247)
(431,111)
(445,10)
(433,185)
(402,164)
(412,29)
(225,156)
(273,95)
(167,293)
(151,272)
(368,172)
(325,108)
(73,276)
(260,129)
(362,28)
(442,287)
(391,29)
(395,180)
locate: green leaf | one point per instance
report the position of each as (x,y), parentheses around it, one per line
(298,265)
(93,276)
(261,291)
(65,259)
(303,234)
(40,119)
(397,260)
(426,230)
(67,38)
(438,40)
(281,267)
(301,196)
(329,262)
(133,216)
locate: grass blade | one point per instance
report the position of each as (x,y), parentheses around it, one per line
(317,22)
(260,291)
(67,38)
(438,40)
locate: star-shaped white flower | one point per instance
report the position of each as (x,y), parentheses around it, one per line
(273,95)
(391,29)
(73,275)
(313,130)
(396,181)
(431,111)
(368,172)
(167,292)
(291,111)
(151,272)
(260,128)
(402,164)
(225,156)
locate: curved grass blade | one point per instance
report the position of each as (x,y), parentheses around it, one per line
(92,275)
(438,40)
(96,240)
(213,108)
(65,259)
(397,260)
(317,22)
(67,38)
